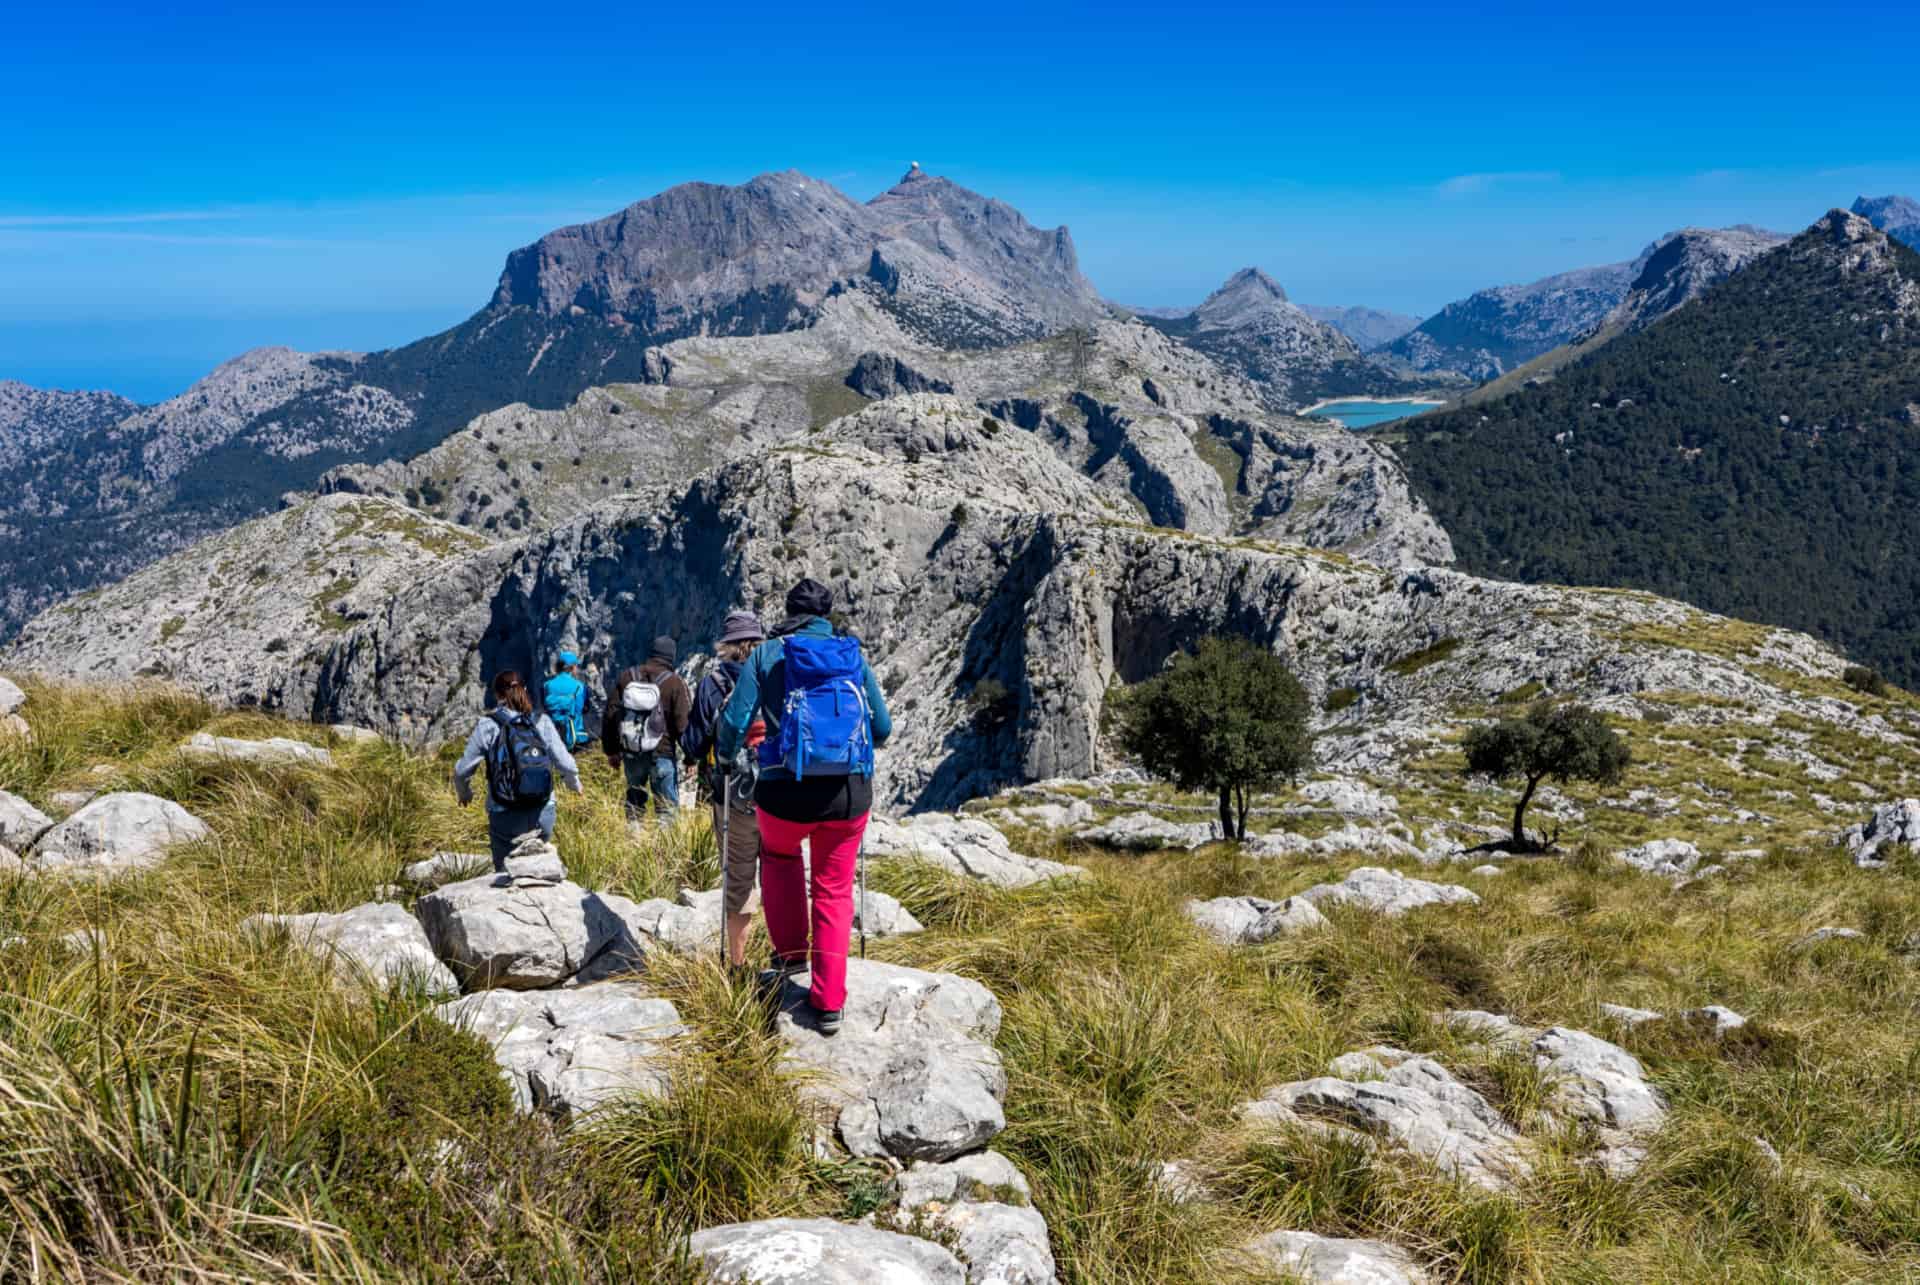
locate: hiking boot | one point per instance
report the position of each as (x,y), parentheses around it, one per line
(828,1019)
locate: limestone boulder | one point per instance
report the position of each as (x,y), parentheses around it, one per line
(819,1251)
(1349,838)
(11,697)
(1388,892)
(1145,832)
(981,1207)
(116,833)
(1892,827)
(527,934)
(1346,796)
(569,1051)
(378,942)
(540,864)
(913,1073)
(1333,1260)
(962,846)
(276,751)
(1248,921)
(20,822)
(1409,1102)
(1668,857)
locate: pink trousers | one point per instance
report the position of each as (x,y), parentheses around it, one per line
(784,895)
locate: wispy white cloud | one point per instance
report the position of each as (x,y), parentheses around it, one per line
(1478,184)
(100,220)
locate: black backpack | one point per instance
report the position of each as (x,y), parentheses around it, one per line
(519,769)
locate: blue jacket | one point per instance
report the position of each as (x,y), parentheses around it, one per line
(761,692)
(565,697)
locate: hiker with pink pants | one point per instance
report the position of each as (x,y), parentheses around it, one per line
(825,714)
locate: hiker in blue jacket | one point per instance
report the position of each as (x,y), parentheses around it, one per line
(827,804)
(565,699)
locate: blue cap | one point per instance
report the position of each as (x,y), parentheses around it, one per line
(569,659)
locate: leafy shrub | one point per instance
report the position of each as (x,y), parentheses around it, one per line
(1415,661)
(1339,698)
(1864,678)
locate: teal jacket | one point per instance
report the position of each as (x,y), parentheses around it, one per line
(565,700)
(761,692)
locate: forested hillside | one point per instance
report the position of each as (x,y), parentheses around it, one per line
(1757,453)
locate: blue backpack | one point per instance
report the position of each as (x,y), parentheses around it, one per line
(562,701)
(826,728)
(519,770)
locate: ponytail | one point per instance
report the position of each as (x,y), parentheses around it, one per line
(510,691)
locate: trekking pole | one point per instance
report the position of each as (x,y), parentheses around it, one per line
(726,824)
(860,863)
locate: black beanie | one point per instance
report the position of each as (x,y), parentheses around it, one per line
(663,649)
(809,598)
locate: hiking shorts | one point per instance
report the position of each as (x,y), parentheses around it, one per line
(740,862)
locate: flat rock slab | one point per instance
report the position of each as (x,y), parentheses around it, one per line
(355,735)
(531,934)
(913,1073)
(71,801)
(962,846)
(11,697)
(20,822)
(819,1251)
(1248,921)
(1388,892)
(1410,1102)
(453,867)
(377,942)
(275,750)
(1331,1260)
(1145,832)
(982,1208)
(569,1051)
(116,833)
(1819,935)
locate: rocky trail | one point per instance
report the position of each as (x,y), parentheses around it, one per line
(1082,1049)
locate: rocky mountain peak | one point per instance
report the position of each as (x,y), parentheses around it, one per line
(1897,216)
(1682,265)
(1246,291)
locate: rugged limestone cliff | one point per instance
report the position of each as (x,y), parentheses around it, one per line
(1000,589)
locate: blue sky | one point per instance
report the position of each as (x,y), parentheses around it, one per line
(177,185)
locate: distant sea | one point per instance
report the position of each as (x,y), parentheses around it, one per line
(1361,416)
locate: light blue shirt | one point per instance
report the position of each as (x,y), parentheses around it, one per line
(486,735)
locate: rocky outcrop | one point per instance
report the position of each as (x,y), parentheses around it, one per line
(1248,921)
(569,1051)
(113,834)
(1387,892)
(1669,857)
(961,846)
(1409,1102)
(378,942)
(879,374)
(818,1251)
(1145,832)
(982,1207)
(1589,1080)
(913,1073)
(1892,827)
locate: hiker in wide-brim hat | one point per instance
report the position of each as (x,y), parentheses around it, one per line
(729,786)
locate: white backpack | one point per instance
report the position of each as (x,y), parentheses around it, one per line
(643,724)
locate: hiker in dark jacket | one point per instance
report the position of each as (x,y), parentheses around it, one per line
(653,774)
(830,810)
(732,810)
(505,824)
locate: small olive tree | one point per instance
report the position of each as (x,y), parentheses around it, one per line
(1549,743)
(1228,718)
